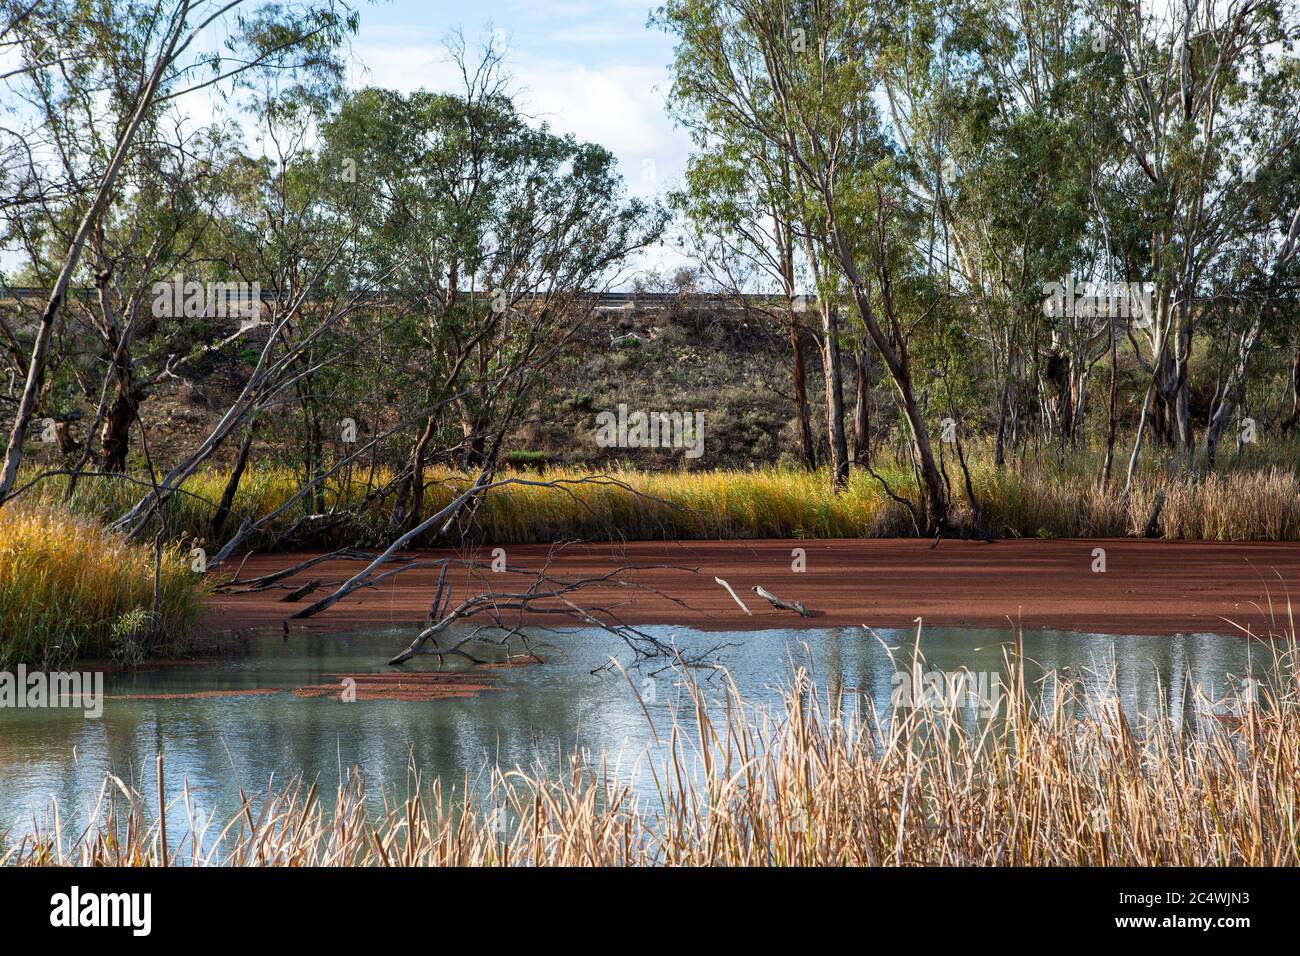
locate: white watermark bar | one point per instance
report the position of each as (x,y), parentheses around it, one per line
(58,689)
(943,690)
(218,300)
(651,429)
(1116,300)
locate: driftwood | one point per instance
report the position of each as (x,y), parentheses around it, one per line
(266,580)
(297,594)
(545,594)
(444,518)
(439,600)
(776,602)
(734,596)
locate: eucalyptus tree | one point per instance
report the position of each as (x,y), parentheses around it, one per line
(793,74)
(98,75)
(738,202)
(1001,118)
(278,226)
(1252,287)
(1195,78)
(492,231)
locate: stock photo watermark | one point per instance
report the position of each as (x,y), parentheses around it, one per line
(1115,300)
(23,689)
(75,909)
(651,429)
(181,299)
(976,691)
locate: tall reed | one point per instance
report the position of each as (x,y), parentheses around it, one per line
(1058,777)
(1049,498)
(70,589)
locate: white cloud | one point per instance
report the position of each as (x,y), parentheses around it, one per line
(598,80)
(620,107)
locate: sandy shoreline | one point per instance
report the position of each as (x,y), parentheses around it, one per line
(1149,587)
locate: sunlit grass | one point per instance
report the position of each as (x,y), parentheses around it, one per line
(1047,496)
(68,589)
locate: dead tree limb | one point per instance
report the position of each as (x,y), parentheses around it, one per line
(776,602)
(545,595)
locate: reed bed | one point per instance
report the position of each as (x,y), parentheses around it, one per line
(71,589)
(582,503)
(1047,498)
(1058,777)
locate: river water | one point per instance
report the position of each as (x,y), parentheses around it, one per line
(532,716)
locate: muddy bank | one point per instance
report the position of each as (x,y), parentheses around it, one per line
(1148,587)
(411,687)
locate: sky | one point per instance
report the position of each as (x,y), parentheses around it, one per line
(593,69)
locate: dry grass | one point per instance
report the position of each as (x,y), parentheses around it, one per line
(70,589)
(1059,778)
(1049,497)
(1237,506)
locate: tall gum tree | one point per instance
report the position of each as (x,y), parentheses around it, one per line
(1193,75)
(794,75)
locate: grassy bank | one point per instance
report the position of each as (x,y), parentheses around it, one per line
(69,589)
(1048,498)
(1058,777)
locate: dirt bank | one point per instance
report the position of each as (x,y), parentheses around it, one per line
(1148,587)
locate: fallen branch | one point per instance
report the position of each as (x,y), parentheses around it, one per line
(776,602)
(734,596)
(299,593)
(544,590)
(266,580)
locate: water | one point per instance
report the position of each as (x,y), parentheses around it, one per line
(221,744)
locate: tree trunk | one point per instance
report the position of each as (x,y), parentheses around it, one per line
(799,376)
(1000,440)
(861,414)
(936,500)
(103,193)
(1112,421)
(1057,373)
(115,435)
(417,475)
(1233,382)
(834,395)
(1182,386)
(1289,424)
(808,448)
(232,485)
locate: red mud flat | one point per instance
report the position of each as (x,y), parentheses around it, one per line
(199,694)
(1149,587)
(416,686)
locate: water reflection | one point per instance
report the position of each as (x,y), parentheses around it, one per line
(218,745)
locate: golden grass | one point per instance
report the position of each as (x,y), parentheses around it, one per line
(1055,778)
(1047,498)
(70,589)
(1238,506)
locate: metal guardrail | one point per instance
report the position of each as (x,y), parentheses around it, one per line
(604,300)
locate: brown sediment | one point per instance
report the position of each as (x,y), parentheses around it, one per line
(195,695)
(1148,587)
(439,685)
